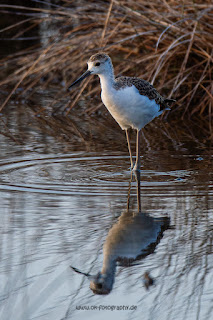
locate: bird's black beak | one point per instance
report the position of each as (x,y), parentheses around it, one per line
(88,275)
(82,77)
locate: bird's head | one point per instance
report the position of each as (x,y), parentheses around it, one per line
(99,63)
(101,283)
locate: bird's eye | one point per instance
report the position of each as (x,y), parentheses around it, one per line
(97,64)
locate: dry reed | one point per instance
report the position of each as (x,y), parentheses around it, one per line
(169,43)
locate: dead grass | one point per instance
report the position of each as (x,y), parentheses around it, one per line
(169,43)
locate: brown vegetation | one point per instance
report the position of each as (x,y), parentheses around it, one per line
(169,43)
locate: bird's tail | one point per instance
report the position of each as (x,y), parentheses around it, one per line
(167,103)
(169,100)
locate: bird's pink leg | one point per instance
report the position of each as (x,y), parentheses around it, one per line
(129,147)
(138,159)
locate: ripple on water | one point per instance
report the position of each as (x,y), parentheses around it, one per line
(83,174)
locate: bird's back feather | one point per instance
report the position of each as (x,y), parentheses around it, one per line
(144,88)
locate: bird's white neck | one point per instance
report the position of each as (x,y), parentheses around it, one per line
(107,79)
(109,265)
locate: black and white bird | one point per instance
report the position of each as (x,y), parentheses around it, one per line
(133,102)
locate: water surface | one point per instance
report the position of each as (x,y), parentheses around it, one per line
(59,201)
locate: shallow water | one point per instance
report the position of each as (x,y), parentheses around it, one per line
(60,202)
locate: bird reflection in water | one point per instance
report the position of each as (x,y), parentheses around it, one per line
(134,236)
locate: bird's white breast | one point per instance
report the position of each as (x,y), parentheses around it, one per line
(128,107)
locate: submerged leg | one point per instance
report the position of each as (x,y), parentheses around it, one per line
(138,180)
(129,147)
(138,159)
(129,191)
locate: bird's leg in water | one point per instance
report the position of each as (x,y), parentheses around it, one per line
(129,147)
(138,159)
(138,180)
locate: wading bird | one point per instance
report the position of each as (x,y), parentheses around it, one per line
(132,102)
